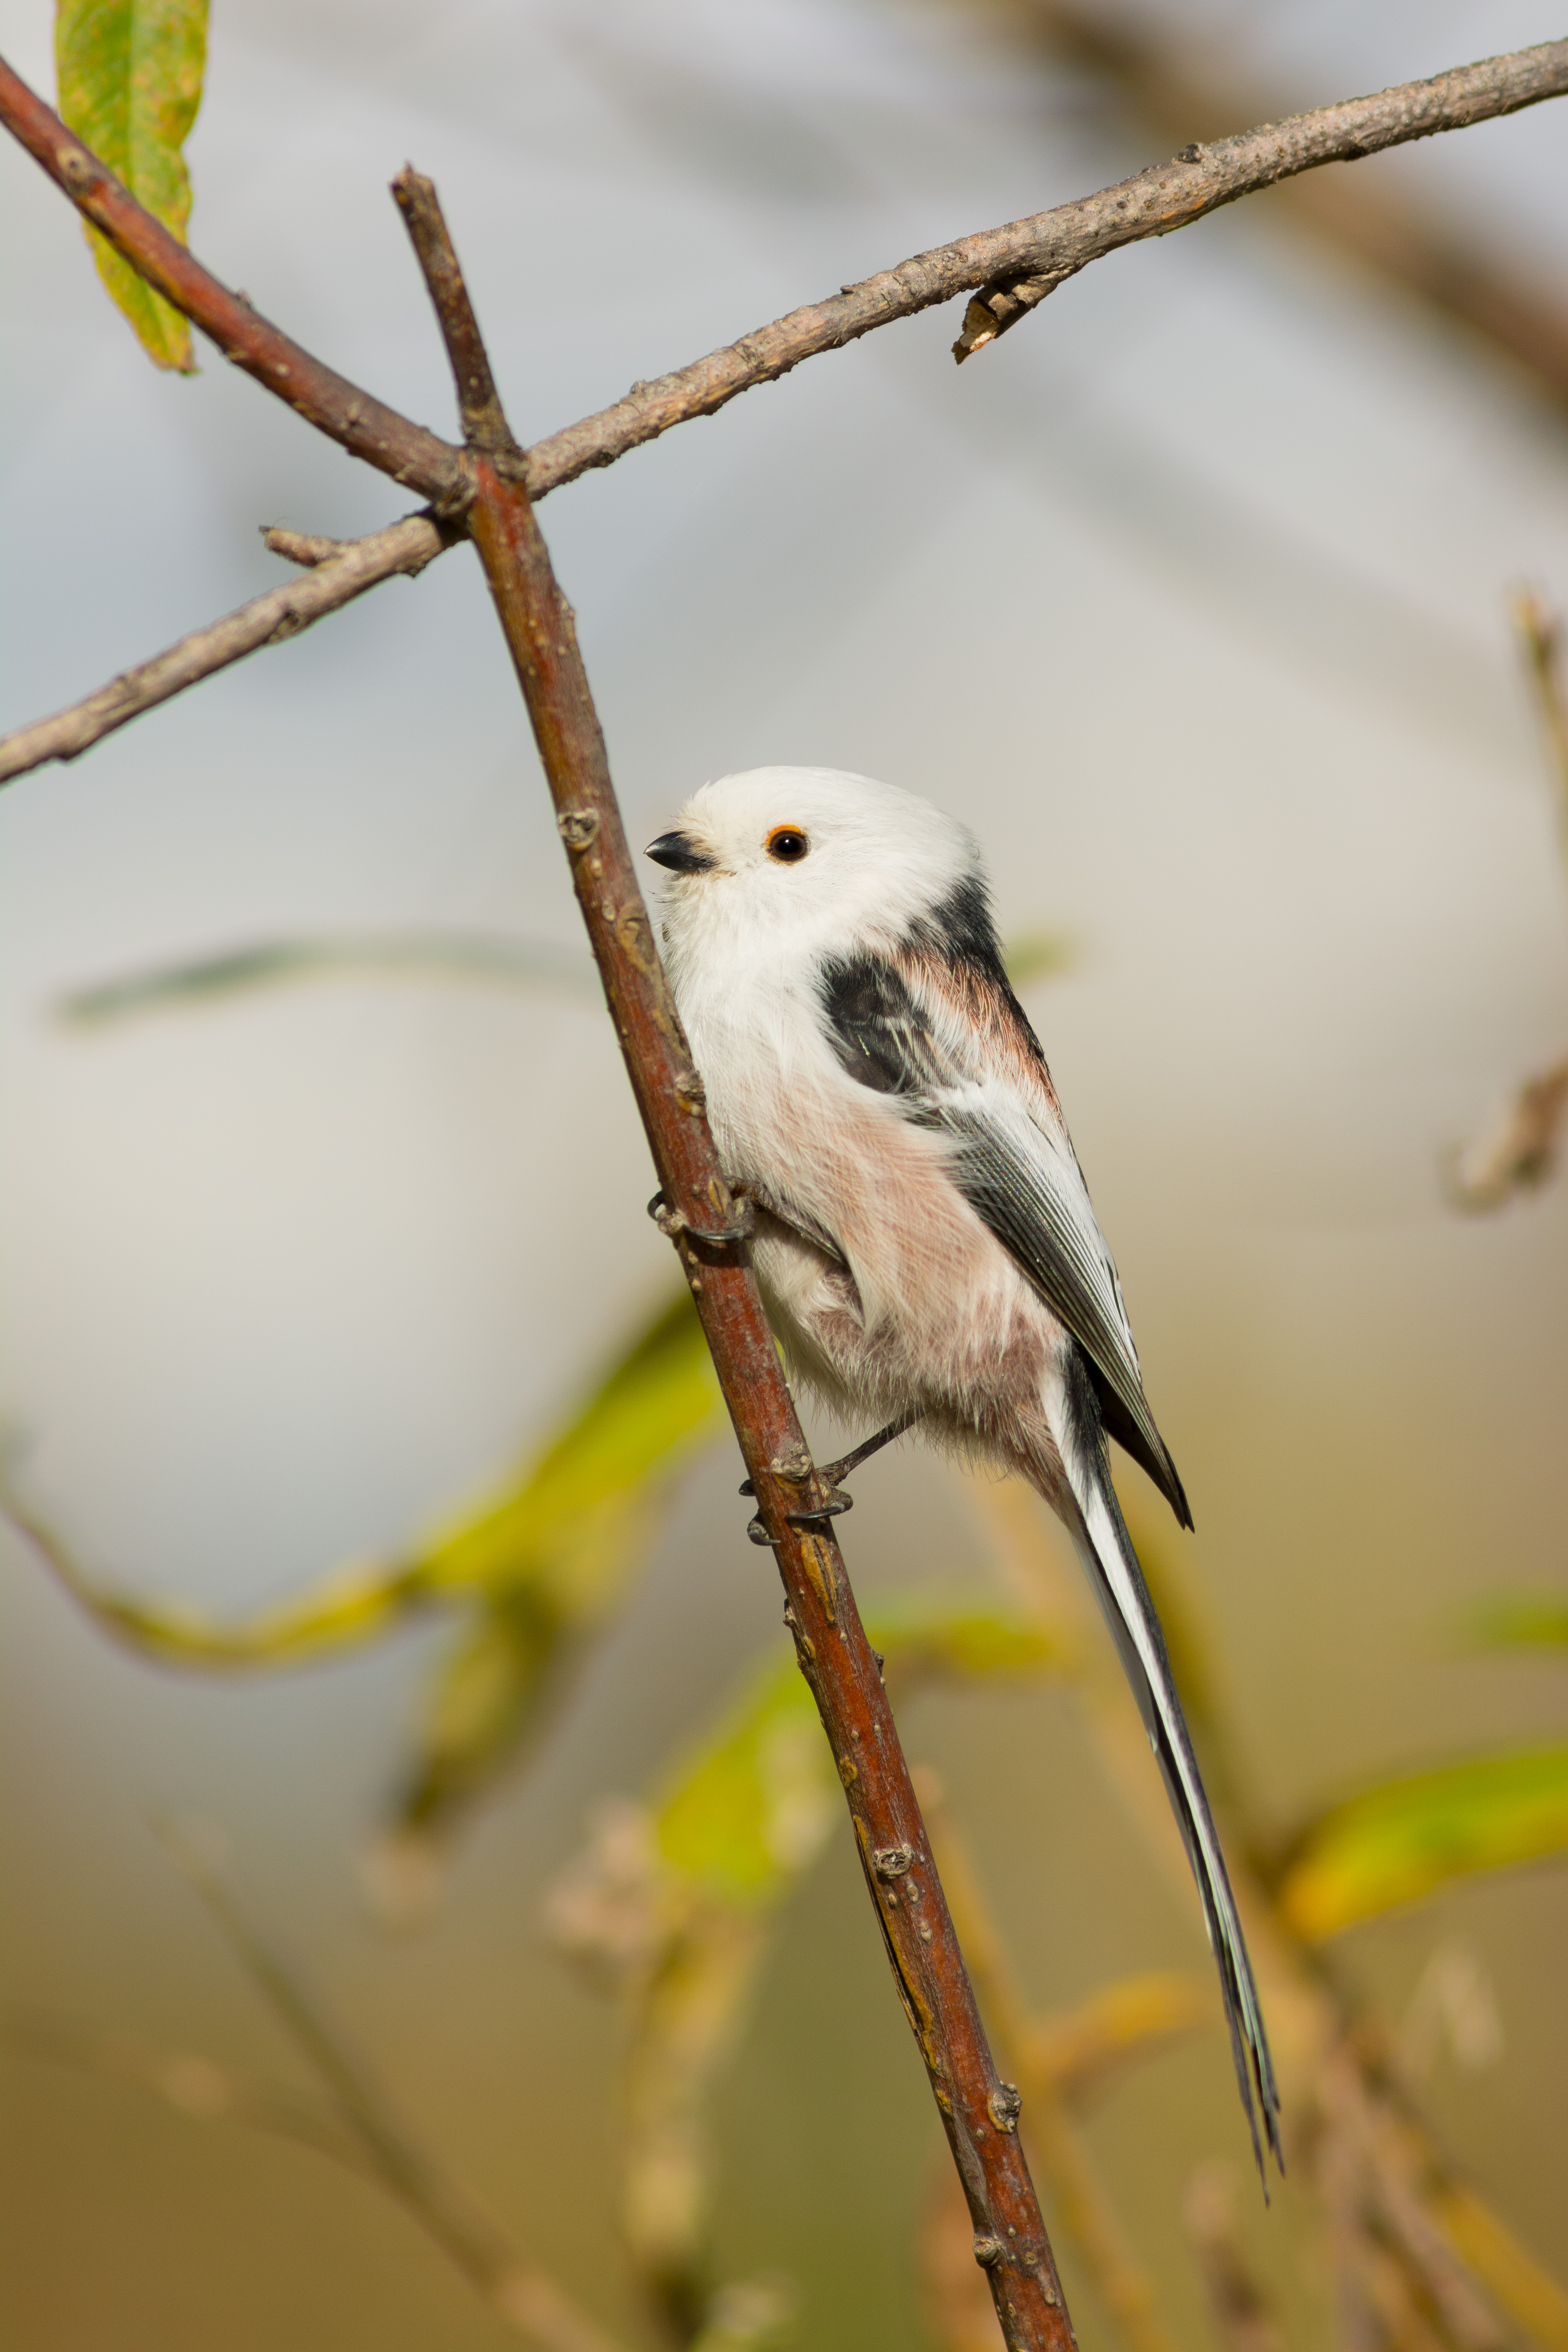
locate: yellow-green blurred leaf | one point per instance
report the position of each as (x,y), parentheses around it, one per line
(1030,956)
(559,1541)
(1394,1844)
(129,84)
(1523,1620)
(569,1520)
(483,1701)
(470,957)
(751,1805)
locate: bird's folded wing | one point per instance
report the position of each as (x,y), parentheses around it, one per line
(1014,1163)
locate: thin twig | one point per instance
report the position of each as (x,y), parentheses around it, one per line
(1013,267)
(1518,1153)
(191,2084)
(1540,630)
(346,572)
(1188,89)
(1054,244)
(706,1221)
(525,2296)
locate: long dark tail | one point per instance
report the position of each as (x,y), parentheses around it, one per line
(1106,1549)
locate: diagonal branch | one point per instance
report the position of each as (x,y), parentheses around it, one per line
(1008,270)
(341,570)
(1000,261)
(1188,89)
(709,1225)
(376,2142)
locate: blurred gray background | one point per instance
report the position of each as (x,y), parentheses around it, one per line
(1190,598)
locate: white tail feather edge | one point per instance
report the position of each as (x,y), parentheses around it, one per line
(1112,1564)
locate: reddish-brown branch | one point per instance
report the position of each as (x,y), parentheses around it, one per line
(419,459)
(707,1223)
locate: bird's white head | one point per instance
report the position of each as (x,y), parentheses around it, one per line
(810,861)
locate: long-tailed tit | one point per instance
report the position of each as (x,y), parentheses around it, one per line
(924,1239)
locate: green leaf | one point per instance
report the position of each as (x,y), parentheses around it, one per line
(555,1544)
(1030,956)
(549,1561)
(483,1703)
(566,1525)
(1396,1844)
(751,1805)
(130,77)
(1523,1620)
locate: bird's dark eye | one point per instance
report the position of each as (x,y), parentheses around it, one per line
(787,844)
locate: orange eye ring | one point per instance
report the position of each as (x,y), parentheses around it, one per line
(787,845)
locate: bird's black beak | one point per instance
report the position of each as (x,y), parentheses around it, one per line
(680,853)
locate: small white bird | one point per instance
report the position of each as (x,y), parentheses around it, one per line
(924,1239)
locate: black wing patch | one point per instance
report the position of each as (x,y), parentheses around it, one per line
(1038,1210)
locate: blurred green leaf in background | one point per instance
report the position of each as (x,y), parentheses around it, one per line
(1522,1621)
(536,1567)
(130,77)
(1392,1845)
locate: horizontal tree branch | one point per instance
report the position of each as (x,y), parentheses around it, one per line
(342,571)
(1191,88)
(1052,244)
(1009,270)
(1058,243)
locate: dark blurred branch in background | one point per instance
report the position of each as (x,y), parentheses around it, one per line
(1181,88)
(1518,1153)
(1243,2318)
(355,2125)
(1013,268)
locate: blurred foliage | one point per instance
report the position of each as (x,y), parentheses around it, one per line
(476,957)
(675,1901)
(486,959)
(1394,1844)
(130,75)
(535,1568)
(1523,1620)
(674,1904)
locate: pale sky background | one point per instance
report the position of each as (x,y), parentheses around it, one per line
(1189,597)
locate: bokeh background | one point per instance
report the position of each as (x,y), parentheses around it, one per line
(1190,597)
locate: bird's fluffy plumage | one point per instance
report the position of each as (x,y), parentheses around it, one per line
(925,1241)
